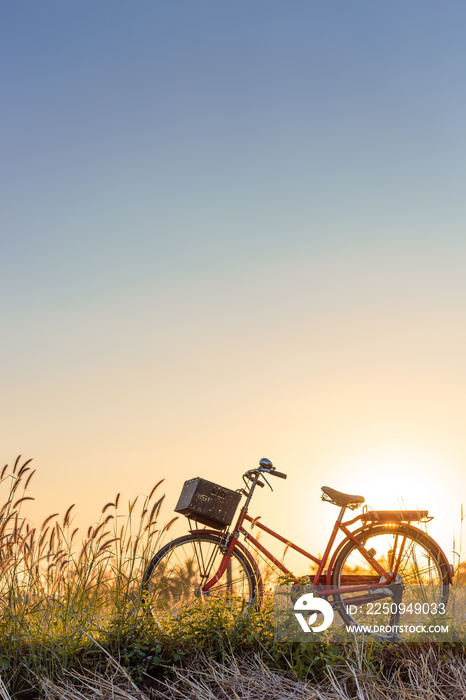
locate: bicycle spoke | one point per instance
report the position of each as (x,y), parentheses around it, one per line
(180,572)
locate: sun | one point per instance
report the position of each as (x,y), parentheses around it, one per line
(396,477)
(400,477)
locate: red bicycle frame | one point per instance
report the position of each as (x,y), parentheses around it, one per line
(354,582)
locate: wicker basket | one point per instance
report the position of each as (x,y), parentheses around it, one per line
(208,503)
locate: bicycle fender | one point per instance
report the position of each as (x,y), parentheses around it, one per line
(246,553)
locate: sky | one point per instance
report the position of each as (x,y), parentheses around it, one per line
(230,231)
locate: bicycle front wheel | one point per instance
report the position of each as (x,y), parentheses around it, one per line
(421,576)
(177,574)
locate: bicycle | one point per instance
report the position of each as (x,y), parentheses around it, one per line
(371,565)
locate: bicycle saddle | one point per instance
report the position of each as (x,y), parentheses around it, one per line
(341,499)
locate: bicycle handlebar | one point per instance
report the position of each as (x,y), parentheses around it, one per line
(254,476)
(280,475)
(272,471)
(265,467)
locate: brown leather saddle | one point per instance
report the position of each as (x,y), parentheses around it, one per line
(341,499)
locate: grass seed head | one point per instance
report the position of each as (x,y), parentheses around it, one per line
(66,519)
(155,488)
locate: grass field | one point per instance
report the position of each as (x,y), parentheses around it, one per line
(72,625)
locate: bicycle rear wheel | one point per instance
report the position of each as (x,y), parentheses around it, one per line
(176,575)
(422,576)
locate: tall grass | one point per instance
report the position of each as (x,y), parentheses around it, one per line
(61,591)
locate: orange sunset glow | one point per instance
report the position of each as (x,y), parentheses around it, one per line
(236,238)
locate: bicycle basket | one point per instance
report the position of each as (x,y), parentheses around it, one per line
(208,503)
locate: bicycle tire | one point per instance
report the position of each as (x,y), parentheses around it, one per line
(175,576)
(422,565)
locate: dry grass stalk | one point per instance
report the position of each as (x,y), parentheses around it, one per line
(87,685)
(4,694)
(422,675)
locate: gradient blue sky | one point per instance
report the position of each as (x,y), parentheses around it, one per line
(235,230)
